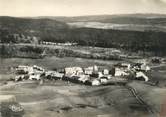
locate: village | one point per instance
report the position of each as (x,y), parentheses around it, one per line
(118,79)
(93,75)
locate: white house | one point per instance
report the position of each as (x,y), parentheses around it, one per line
(34,77)
(105,71)
(73,71)
(144,67)
(142,75)
(83,78)
(103,80)
(100,74)
(119,72)
(88,70)
(57,75)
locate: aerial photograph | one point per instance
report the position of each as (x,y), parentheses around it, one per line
(82,58)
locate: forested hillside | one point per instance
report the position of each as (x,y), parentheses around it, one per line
(56,31)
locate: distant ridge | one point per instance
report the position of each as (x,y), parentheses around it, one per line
(101,18)
(136,36)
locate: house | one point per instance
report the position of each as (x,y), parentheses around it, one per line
(100,74)
(38,69)
(95,82)
(105,72)
(95,68)
(19,78)
(74,79)
(53,75)
(141,67)
(88,71)
(91,70)
(103,80)
(140,75)
(145,68)
(123,66)
(83,78)
(21,69)
(48,73)
(120,72)
(97,75)
(73,71)
(35,76)
(57,75)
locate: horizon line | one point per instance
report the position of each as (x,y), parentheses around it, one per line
(85,15)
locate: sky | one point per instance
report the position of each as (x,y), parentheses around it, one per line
(79,7)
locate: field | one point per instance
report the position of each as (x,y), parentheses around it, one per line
(72,100)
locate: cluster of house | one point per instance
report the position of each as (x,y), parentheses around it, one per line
(92,75)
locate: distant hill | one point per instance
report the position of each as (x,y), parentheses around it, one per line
(119,19)
(30,26)
(42,28)
(54,29)
(137,22)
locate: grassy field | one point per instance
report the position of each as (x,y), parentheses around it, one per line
(154,96)
(40,51)
(71,100)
